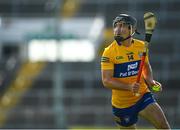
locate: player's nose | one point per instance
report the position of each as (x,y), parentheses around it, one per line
(118,31)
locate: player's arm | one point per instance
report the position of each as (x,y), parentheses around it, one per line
(113,83)
(148,75)
(108,80)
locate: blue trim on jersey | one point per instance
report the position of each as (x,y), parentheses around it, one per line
(126,69)
(129,116)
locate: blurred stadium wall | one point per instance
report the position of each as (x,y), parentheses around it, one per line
(50,68)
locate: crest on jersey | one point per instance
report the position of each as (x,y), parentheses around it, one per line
(130,56)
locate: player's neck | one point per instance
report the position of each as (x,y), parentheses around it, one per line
(127,43)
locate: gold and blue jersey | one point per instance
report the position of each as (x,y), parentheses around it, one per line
(125,62)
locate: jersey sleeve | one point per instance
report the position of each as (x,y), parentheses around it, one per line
(106,61)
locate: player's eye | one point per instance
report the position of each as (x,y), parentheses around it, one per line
(126,25)
(115,25)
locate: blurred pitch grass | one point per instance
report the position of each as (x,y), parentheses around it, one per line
(106,128)
(93,128)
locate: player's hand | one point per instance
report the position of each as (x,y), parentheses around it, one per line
(135,87)
(156,86)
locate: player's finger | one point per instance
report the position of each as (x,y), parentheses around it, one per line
(136,87)
(157,83)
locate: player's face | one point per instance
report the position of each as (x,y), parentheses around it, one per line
(121,29)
